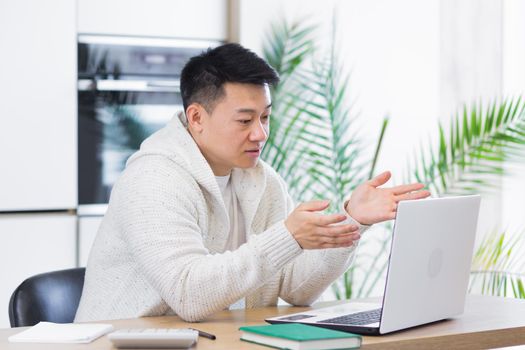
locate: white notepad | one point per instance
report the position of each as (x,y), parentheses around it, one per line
(48,332)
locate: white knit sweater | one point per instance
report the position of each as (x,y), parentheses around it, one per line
(161,246)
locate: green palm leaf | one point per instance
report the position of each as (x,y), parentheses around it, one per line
(472,151)
(330,149)
(497,269)
(286,49)
(311,144)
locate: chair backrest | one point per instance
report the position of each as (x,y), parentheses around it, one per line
(51,296)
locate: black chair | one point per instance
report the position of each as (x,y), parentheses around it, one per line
(51,296)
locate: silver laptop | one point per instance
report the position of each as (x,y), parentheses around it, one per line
(428,272)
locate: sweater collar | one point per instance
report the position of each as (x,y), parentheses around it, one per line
(249,186)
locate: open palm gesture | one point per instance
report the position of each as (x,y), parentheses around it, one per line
(370,204)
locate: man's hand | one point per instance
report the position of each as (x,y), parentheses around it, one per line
(370,204)
(313,230)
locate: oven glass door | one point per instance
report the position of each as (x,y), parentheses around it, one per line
(112,124)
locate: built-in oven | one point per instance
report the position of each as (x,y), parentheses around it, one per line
(127,89)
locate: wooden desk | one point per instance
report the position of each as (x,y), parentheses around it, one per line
(488,322)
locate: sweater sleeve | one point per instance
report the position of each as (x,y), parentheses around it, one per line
(306,277)
(158,218)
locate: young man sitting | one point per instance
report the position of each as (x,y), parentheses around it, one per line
(198,223)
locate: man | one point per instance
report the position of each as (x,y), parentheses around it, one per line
(198,223)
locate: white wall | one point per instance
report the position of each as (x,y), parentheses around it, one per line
(513,82)
(471,42)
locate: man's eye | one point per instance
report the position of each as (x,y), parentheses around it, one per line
(244,121)
(265,118)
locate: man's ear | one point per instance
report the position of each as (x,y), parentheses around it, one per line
(195,116)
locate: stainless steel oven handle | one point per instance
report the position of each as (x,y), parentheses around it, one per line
(129,85)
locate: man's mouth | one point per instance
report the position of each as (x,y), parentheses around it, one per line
(254,151)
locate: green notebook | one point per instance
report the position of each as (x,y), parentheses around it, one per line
(298,336)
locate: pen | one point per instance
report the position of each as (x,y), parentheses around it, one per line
(205,335)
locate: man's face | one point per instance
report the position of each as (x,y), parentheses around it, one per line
(233,135)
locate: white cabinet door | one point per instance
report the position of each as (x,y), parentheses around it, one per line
(87,231)
(32,244)
(196,19)
(38,105)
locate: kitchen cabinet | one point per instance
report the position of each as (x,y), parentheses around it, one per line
(198,19)
(38,120)
(87,231)
(32,244)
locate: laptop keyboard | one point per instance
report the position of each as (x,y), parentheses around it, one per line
(358,319)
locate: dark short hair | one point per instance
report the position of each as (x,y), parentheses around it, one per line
(203,77)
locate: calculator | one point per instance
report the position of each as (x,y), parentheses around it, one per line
(154,338)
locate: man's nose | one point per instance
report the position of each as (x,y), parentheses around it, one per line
(259,132)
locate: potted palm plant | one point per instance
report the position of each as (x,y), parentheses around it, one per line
(316,146)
